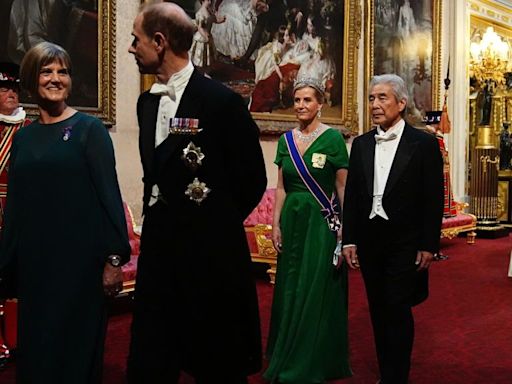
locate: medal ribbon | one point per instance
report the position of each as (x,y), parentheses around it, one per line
(330,207)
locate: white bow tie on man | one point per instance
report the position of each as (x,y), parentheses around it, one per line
(384,137)
(163,89)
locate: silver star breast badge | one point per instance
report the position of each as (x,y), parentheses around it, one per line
(192,156)
(197,191)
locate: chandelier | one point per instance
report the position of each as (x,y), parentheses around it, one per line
(489,58)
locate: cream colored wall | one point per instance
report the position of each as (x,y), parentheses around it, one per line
(269,146)
(125,136)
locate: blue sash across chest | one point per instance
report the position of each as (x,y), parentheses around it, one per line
(330,206)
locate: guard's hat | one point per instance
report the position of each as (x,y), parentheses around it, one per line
(9,72)
(432,117)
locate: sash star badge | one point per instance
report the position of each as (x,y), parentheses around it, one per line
(192,156)
(197,191)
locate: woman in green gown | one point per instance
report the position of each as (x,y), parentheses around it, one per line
(64,228)
(308,340)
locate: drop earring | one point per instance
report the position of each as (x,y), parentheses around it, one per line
(319,113)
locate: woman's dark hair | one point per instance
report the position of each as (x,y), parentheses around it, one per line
(37,57)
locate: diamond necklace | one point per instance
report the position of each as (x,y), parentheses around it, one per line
(307,138)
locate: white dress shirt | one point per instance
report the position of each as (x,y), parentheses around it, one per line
(385,150)
(170,97)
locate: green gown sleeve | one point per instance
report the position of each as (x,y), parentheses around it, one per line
(338,154)
(281,151)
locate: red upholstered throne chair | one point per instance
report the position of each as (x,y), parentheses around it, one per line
(460,223)
(258,229)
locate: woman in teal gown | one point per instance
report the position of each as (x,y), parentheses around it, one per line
(308,340)
(64,228)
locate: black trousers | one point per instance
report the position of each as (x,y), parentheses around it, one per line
(391,281)
(162,343)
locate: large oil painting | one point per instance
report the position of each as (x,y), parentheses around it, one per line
(259,47)
(404,39)
(83,27)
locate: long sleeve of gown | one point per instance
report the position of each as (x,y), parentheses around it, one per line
(101,161)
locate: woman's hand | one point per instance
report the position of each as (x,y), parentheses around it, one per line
(276,238)
(112,280)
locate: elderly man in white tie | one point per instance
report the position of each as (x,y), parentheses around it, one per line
(196,307)
(392,221)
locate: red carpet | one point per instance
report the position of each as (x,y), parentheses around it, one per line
(463,332)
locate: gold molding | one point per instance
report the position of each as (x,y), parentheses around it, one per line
(478,23)
(436,55)
(503,197)
(107,58)
(491,12)
(265,252)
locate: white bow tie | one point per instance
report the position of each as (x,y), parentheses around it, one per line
(381,138)
(163,89)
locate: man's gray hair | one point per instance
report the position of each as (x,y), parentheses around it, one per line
(396,82)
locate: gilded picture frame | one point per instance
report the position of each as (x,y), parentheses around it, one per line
(411,48)
(85,29)
(341,112)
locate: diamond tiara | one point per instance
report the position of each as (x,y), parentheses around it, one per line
(312,82)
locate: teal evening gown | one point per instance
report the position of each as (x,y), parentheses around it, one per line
(308,340)
(64,216)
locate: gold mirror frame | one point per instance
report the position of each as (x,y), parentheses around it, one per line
(105,110)
(370,56)
(348,122)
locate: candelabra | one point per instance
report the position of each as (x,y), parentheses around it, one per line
(488,63)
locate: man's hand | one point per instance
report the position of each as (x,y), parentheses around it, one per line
(350,255)
(423,259)
(112,280)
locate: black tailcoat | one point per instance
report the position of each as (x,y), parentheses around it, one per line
(194,257)
(413,197)
(387,249)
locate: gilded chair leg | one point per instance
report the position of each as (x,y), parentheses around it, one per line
(272,273)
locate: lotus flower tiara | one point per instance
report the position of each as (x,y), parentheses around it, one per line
(312,82)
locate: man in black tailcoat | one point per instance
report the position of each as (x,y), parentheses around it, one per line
(392,221)
(195,301)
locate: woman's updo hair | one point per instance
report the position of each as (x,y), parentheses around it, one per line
(316,84)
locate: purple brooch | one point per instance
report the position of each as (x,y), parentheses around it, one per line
(66,133)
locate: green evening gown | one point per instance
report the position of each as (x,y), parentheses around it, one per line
(308,340)
(64,217)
